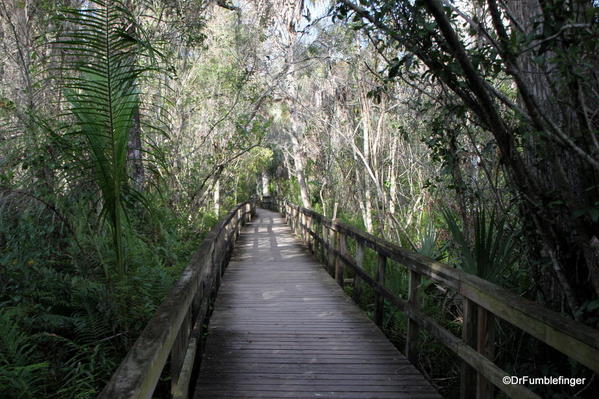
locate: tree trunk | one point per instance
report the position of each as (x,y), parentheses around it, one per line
(298,160)
(561,174)
(217,198)
(265,184)
(365,114)
(134,153)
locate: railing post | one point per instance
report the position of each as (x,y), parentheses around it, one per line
(315,241)
(228,244)
(339,265)
(178,350)
(379,306)
(357,291)
(304,230)
(331,253)
(310,238)
(486,346)
(306,234)
(214,268)
(292,218)
(325,243)
(413,328)
(468,374)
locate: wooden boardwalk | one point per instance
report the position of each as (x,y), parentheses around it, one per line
(282,328)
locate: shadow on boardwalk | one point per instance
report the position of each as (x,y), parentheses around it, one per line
(282,328)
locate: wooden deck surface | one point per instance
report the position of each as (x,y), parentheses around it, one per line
(282,328)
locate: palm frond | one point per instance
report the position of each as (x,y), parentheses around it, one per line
(493,249)
(102,68)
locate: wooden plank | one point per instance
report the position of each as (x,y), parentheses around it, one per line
(219,394)
(283,328)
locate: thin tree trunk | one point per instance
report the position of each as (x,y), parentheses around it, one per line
(365,114)
(217,204)
(298,160)
(135,152)
(265,184)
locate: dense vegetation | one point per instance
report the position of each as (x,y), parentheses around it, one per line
(466,131)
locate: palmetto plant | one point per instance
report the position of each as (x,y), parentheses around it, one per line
(102,65)
(493,248)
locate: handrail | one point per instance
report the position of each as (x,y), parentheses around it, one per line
(482,301)
(175,329)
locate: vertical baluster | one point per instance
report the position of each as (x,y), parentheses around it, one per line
(379,306)
(304,233)
(310,237)
(413,328)
(292,218)
(235,228)
(486,346)
(339,265)
(357,292)
(315,242)
(468,374)
(178,350)
(331,254)
(325,242)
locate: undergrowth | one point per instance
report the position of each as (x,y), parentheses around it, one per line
(65,323)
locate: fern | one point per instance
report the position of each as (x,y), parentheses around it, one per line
(21,373)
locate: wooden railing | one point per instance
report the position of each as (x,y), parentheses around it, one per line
(268,202)
(175,330)
(482,301)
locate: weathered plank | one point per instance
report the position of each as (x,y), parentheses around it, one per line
(283,328)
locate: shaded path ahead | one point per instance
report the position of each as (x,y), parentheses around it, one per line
(282,328)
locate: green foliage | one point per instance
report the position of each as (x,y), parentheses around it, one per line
(63,328)
(493,250)
(20,366)
(103,94)
(428,245)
